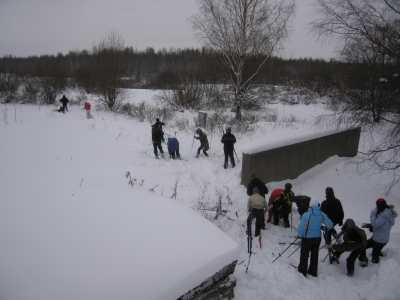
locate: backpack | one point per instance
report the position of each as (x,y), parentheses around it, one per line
(363,236)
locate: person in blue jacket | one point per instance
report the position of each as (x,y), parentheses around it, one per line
(173,148)
(382,220)
(309,230)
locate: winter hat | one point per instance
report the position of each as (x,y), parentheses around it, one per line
(228,130)
(381,204)
(252,175)
(329,191)
(314,202)
(288,186)
(255,190)
(352,234)
(198,131)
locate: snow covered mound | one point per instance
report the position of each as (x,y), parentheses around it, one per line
(97,243)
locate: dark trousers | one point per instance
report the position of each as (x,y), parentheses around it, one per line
(201,148)
(172,154)
(260,220)
(351,259)
(155,146)
(65,107)
(376,250)
(285,216)
(230,155)
(309,245)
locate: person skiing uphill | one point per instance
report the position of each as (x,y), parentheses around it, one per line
(203,142)
(228,139)
(87,107)
(382,220)
(354,241)
(309,230)
(64,100)
(257,207)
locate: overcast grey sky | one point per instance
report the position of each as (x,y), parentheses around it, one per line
(35,27)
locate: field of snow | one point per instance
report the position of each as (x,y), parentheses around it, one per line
(72,227)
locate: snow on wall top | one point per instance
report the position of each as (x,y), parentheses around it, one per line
(267,144)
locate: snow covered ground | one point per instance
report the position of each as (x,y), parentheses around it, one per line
(71,227)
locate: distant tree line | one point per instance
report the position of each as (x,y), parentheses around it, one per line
(165,68)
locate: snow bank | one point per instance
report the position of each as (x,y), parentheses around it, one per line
(106,242)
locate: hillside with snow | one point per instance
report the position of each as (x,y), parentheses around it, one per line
(72,227)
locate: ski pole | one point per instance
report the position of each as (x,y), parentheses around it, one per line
(192,145)
(286,249)
(294,251)
(238,160)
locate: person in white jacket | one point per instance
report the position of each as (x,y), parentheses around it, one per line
(258,207)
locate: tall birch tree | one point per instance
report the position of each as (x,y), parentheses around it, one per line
(241,29)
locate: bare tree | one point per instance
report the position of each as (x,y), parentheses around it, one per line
(9,84)
(108,65)
(240,30)
(367,35)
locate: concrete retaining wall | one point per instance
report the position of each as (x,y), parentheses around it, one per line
(288,162)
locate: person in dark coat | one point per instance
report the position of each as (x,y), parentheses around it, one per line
(228,139)
(203,142)
(156,136)
(256,182)
(160,125)
(302,202)
(173,148)
(332,207)
(382,219)
(283,206)
(64,100)
(309,230)
(354,241)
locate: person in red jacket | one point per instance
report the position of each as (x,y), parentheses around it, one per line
(87,107)
(275,194)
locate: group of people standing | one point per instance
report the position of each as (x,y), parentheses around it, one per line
(64,107)
(319,220)
(157,136)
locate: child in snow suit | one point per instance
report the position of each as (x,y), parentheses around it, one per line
(258,207)
(173,148)
(309,230)
(87,107)
(382,220)
(354,241)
